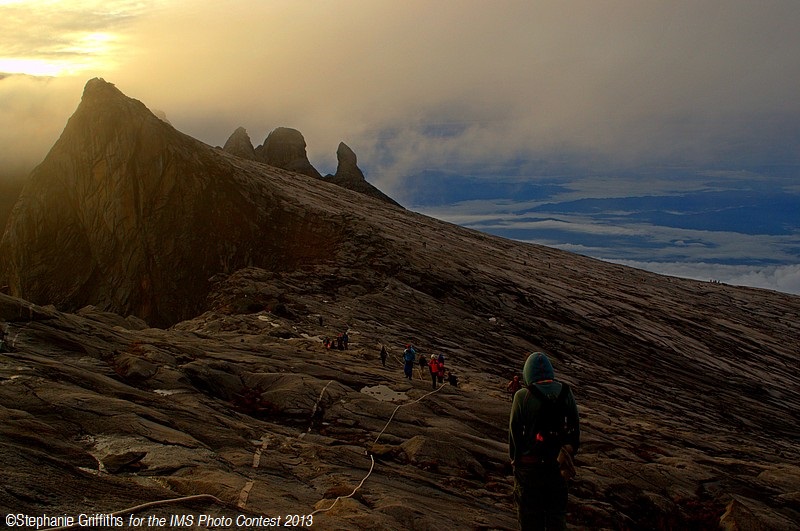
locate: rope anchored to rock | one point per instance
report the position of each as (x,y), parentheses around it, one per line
(372,465)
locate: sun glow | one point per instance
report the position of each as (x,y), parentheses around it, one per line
(62,38)
(31,67)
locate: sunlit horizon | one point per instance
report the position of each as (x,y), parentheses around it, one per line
(61,38)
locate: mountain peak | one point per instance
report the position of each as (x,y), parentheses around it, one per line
(239,144)
(349,175)
(149,213)
(99,94)
(285,148)
(98,86)
(347,160)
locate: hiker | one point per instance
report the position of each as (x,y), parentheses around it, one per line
(452,379)
(543,434)
(434,367)
(440,368)
(423,363)
(409,356)
(383,355)
(513,386)
(340,342)
(345,339)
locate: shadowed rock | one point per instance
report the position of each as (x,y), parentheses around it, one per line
(239,144)
(348,175)
(286,148)
(128,214)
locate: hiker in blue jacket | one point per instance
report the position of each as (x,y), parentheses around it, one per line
(543,434)
(409,356)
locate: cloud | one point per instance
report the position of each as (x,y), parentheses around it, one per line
(784,278)
(459,83)
(624,82)
(33,112)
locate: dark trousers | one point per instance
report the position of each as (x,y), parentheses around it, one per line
(540,496)
(433,380)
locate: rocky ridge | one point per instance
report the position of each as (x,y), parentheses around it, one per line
(239,144)
(686,390)
(286,148)
(349,175)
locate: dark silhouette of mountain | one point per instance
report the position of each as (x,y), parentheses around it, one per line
(128,213)
(239,144)
(286,148)
(687,390)
(349,175)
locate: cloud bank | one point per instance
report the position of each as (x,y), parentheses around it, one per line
(463,83)
(778,278)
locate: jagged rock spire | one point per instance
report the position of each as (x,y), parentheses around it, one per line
(349,175)
(286,148)
(239,144)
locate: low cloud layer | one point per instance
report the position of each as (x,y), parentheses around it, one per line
(777,278)
(470,84)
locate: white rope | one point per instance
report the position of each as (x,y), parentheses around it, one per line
(316,406)
(352,493)
(372,466)
(403,405)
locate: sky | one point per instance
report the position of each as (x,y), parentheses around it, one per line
(529,90)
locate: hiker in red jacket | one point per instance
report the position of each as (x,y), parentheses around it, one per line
(434,367)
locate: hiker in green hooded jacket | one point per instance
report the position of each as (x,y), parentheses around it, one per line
(542,463)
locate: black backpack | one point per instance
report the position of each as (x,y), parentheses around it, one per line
(550,426)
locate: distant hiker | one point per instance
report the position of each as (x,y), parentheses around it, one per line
(440,368)
(434,367)
(383,355)
(345,340)
(340,342)
(423,363)
(543,434)
(513,386)
(409,356)
(452,379)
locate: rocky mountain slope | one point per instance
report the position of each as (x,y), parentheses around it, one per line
(688,391)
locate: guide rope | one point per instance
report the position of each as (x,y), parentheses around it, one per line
(372,466)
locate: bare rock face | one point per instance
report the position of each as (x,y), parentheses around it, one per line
(349,175)
(130,214)
(286,148)
(239,144)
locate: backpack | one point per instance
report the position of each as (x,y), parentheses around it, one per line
(550,426)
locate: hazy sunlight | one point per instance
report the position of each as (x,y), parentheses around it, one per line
(32,67)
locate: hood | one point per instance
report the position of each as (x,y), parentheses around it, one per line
(537,367)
